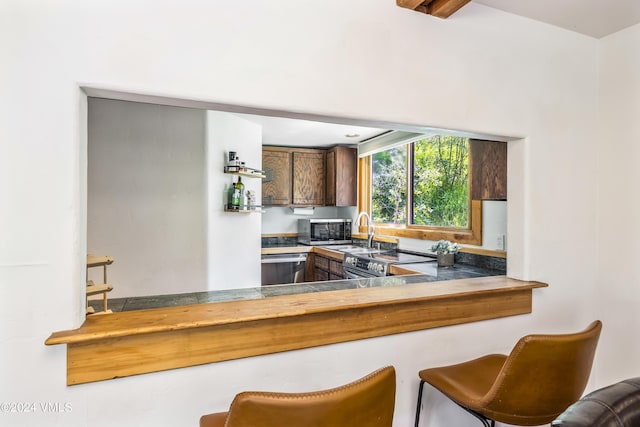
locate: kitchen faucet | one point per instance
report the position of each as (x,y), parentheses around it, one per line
(370,229)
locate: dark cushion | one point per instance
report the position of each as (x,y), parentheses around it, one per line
(617,405)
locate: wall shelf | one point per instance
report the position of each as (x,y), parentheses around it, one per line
(244,171)
(246,209)
(249,173)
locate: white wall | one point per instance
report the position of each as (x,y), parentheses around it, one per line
(494,224)
(481,70)
(233,238)
(618,207)
(147,197)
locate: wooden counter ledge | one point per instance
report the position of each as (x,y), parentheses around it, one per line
(136,342)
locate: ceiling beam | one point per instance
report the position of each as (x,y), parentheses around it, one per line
(412,4)
(445,8)
(438,8)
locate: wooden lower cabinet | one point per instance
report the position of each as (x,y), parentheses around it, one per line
(321,275)
(336,270)
(322,262)
(327,269)
(321,268)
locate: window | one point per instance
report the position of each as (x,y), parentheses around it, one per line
(422,190)
(389,186)
(440,181)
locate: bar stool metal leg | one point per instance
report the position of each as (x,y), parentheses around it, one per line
(485,421)
(419,402)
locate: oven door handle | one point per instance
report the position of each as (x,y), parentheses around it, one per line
(350,274)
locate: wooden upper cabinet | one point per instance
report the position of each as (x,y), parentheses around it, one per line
(308,177)
(488,170)
(342,166)
(330,188)
(276,187)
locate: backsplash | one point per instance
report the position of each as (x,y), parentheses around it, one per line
(482,261)
(279,241)
(277,219)
(387,246)
(490,262)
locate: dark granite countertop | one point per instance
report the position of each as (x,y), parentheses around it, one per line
(283,245)
(459,271)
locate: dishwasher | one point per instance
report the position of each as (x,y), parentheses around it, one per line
(283,268)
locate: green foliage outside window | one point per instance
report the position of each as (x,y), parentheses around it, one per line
(389,186)
(440,183)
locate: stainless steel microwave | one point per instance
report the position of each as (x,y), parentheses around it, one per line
(318,231)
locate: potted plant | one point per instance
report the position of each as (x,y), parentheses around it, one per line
(445,252)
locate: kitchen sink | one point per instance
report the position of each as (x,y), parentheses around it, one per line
(354,249)
(360,251)
(342,247)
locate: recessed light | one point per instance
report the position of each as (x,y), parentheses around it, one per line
(352,135)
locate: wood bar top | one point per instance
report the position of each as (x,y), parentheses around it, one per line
(236,312)
(137,342)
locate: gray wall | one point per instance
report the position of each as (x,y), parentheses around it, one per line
(147,196)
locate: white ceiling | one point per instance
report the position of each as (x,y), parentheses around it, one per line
(305,133)
(595,18)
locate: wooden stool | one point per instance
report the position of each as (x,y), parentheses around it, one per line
(104,288)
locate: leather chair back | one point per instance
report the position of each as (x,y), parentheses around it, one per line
(542,376)
(367,402)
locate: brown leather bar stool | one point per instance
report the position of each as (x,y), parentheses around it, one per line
(535,383)
(367,402)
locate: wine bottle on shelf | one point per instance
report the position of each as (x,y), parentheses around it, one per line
(240,188)
(237,193)
(230,191)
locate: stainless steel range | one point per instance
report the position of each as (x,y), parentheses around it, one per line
(376,264)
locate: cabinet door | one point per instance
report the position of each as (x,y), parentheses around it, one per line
(345,181)
(336,269)
(321,275)
(488,161)
(308,178)
(321,262)
(321,268)
(276,187)
(330,191)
